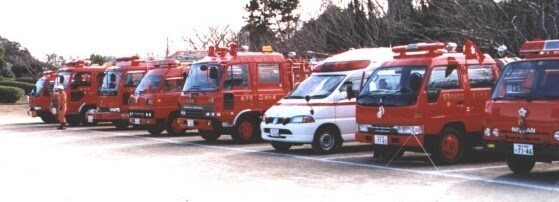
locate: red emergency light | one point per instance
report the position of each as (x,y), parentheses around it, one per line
(76,63)
(540,49)
(419,49)
(341,66)
(166,63)
(131,58)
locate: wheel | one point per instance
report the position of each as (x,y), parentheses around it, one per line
(209,136)
(121,124)
(73,120)
(48,118)
(388,153)
(520,164)
(281,146)
(451,146)
(246,130)
(173,126)
(326,140)
(156,129)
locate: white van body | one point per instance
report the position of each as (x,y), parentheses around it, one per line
(290,121)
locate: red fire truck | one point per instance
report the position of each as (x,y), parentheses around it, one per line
(523,113)
(80,81)
(119,82)
(39,98)
(435,100)
(154,103)
(228,91)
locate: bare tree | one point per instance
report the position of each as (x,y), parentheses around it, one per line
(214,36)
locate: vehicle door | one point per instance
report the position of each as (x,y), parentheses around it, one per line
(345,108)
(237,89)
(445,95)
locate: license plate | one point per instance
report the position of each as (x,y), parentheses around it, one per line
(53,110)
(137,121)
(524,149)
(190,122)
(90,119)
(274,132)
(381,139)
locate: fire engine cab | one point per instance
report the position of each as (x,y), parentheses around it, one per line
(321,110)
(228,91)
(154,103)
(432,101)
(119,82)
(39,98)
(80,81)
(523,113)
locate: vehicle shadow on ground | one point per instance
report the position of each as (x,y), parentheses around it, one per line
(544,177)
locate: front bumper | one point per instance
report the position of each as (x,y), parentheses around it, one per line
(109,116)
(200,124)
(392,140)
(292,132)
(541,151)
(142,121)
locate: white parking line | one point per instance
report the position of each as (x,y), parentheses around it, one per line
(326,160)
(473,169)
(347,157)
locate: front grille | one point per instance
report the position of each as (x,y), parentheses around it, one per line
(194,113)
(103,109)
(381,129)
(277,120)
(141,114)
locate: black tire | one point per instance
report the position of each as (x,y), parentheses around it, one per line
(450,147)
(210,136)
(326,140)
(48,118)
(246,130)
(281,146)
(520,164)
(121,124)
(173,129)
(156,129)
(388,153)
(73,120)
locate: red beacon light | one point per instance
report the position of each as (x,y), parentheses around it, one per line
(167,63)
(341,66)
(540,49)
(76,63)
(420,49)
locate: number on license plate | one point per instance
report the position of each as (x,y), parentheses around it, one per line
(53,110)
(523,149)
(190,122)
(136,121)
(90,119)
(381,139)
(274,132)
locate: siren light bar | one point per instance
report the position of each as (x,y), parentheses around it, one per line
(540,49)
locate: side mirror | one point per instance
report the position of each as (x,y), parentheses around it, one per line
(433,95)
(308,98)
(349,89)
(213,73)
(204,68)
(113,78)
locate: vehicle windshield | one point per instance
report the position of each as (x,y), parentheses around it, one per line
(149,83)
(41,83)
(199,78)
(66,76)
(529,80)
(109,87)
(392,86)
(316,86)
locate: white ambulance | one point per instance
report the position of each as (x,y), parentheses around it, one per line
(321,110)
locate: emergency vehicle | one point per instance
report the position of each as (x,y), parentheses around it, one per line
(228,91)
(154,103)
(523,112)
(433,101)
(119,82)
(39,98)
(321,110)
(80,81)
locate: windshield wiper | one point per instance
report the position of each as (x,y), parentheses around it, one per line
(524,97)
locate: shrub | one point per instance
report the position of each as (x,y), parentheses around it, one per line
(10,94)
(26,80)
(27,87)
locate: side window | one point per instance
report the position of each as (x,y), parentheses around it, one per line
(237,76)
(268,73)
(133,79)
(356,82)
(444,78)
(480,76)
(82,79)
(173,84)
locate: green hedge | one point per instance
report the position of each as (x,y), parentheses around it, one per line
(10,94)
(27,87)
(27,80)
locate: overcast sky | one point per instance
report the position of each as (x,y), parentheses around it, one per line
(78,28)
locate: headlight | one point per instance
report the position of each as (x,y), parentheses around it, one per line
(114,109)
(409,130)
(556,135)
(209,114)
(149,101)
(302,119)
(183,112)
(487,132)
(364,128)
(37,108)
(148,114)
(131,114)
(495,132)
